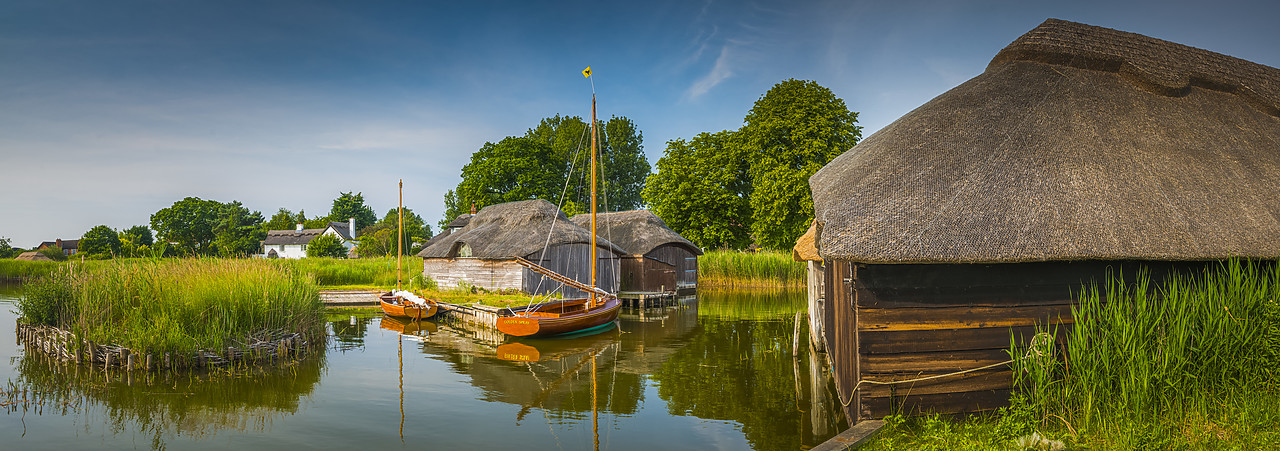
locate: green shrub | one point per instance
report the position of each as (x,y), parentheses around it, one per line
(326,246)
(45,300)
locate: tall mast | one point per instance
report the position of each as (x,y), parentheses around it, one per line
(591,297)
(399,232)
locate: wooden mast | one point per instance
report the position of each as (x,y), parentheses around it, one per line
(591,297)
(399,232)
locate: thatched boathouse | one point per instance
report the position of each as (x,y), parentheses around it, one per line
(656,259)
(1079,150)
(482,252)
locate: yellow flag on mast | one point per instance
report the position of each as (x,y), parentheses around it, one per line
(587,72)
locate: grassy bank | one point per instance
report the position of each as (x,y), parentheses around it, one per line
(765,269)
(1190,363)
(177,305)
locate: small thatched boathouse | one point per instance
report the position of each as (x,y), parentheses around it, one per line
(482,252)
(1079,150)
(657,258)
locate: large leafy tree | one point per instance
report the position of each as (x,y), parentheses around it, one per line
(100,242)
(238,232)
(551,160)
(701,190)
(793,130)
(349,205)
(733,187)
(6,250)
(209,227)
(189,224)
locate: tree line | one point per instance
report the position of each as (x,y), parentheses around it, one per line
(729,189)
(202,227)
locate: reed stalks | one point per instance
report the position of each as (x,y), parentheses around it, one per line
(176,305)
(764,269)
(1143,359)
(378,272)
(11,269)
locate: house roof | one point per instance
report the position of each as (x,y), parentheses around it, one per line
(33,256)
(305,236)
(460,221)
(505,231)
(1077,142)
(636,231)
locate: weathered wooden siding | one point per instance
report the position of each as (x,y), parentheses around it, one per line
(899,322)
(817,300)
(488,274)
(572,260)
(681,261)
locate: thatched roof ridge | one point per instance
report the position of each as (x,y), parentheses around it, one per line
(806,248)
(1077,143)
(512,229)
(636,231)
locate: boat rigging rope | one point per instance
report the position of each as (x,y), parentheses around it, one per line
(1039,338)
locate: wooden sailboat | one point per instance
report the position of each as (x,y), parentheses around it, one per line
(597,310)
(399,303)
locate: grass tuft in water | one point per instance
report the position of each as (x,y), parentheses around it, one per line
(178,305)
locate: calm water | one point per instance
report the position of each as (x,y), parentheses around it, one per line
(712,373)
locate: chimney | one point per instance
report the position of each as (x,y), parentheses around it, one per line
(299,226)
(351,225)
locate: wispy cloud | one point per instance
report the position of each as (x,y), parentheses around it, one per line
(719,73)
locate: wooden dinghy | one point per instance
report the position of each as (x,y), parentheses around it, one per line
(406,305)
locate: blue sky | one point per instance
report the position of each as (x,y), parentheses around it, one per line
(110,111)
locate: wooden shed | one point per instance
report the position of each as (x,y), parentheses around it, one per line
(482,252)
(656,259)
(1080,150)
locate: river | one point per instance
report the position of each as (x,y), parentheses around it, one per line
(716,372)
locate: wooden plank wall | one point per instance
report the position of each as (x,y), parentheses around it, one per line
(487,274)
(899,322)
(680,260)
(572,260)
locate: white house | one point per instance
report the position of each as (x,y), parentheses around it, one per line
(293,243)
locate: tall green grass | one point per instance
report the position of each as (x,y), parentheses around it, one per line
(23,269)
(177,305)
(379,272)
(763,269)
(1143,362)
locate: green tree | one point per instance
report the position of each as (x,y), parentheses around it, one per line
(415,230)
(6,250)
(54,253)
(538,166)
(701,190)
(793,130)
(237,231)
(136,241)
(189,224)
(326,246)
(283,219)
(99,242)
(349,205)
(377,241)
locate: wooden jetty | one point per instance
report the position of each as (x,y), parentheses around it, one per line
(350,298)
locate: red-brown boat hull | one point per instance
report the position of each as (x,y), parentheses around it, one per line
(542,326)
(394,307)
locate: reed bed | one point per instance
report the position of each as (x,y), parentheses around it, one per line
(11,269)
(176,306)
(764,269)
(1144,363)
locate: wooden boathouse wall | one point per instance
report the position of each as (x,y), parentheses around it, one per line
(665,268)
(450,273)
(572,260)
(905,321)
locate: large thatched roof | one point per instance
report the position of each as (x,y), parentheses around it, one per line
(505,231)
(1078,142)
(636,231)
